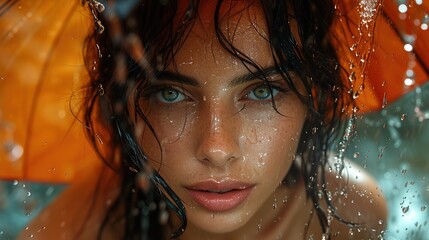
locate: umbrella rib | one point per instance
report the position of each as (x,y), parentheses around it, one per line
(6,6)
(38,89)
(398,33)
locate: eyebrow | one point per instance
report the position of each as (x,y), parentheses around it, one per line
(250,76)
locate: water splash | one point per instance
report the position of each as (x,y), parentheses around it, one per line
(367,10)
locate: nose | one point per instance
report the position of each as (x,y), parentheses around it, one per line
(218,142)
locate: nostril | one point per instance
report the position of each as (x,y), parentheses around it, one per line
(216,157)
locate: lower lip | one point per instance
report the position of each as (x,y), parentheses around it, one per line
(219,202)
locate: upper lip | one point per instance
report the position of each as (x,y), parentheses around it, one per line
(213,185)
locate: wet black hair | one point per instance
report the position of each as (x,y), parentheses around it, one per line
(134,39)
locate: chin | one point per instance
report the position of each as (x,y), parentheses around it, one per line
(218,223)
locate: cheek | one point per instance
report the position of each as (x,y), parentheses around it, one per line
(271,146)
(169,122)
(168,136)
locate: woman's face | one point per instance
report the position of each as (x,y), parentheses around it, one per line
(224,149)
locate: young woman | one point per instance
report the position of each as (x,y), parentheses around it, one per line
(215,119)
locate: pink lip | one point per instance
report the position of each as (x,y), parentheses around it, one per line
(220,196)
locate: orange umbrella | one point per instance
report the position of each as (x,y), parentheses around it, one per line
(42,69)
(380,46)
(391,60)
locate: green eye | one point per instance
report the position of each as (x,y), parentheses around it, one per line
(170,95)
(262,93)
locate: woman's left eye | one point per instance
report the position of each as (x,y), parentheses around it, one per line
(262,92)
(170,95)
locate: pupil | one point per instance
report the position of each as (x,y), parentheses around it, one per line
(262,92)
(170,95)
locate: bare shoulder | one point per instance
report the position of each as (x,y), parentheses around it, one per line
(78,211)
(357,200)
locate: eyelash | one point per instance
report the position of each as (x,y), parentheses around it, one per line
(156,91)
(274,90)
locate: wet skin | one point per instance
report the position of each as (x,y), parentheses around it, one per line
(218,129)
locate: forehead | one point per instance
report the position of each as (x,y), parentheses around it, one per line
(241,23)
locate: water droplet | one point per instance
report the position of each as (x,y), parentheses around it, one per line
(99,6)
(409,81)
(403,171)
(356,95)
(408,47)
(423,208)
(402,8)
(99,139)
(163,217)
(99,27)
(383,105)
(425,22)
(213,216)
(274,205)
(380,222)
(13,150)
(405,209)
(356,155)
(403,116)
(100,89)
(15,182)
(352,76)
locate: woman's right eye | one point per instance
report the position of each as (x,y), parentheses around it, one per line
(170,95)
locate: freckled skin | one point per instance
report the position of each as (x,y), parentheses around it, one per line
(211,136)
